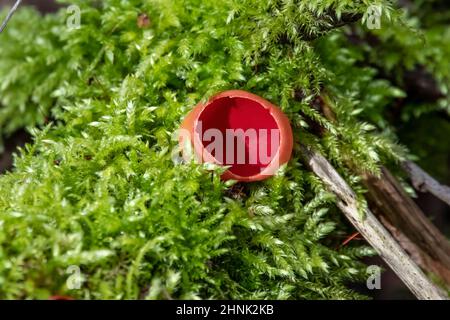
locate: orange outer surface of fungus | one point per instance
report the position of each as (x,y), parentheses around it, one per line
(283,152)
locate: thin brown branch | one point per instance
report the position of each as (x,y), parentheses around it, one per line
(423,182)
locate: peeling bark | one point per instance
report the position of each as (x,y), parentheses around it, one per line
(428,247)
(373,231)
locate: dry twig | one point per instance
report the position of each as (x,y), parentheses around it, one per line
(373,231)
(10,14)
(423,182)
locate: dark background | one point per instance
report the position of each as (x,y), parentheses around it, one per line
(391,286)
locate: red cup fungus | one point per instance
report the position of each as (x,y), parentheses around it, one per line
(240,130)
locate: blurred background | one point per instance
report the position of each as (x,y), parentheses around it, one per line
(433,159)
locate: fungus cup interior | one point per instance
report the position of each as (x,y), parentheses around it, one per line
(230,114)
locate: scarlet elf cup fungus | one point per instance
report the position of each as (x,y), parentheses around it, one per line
(240,130)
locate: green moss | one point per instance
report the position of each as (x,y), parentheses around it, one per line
(98,189)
